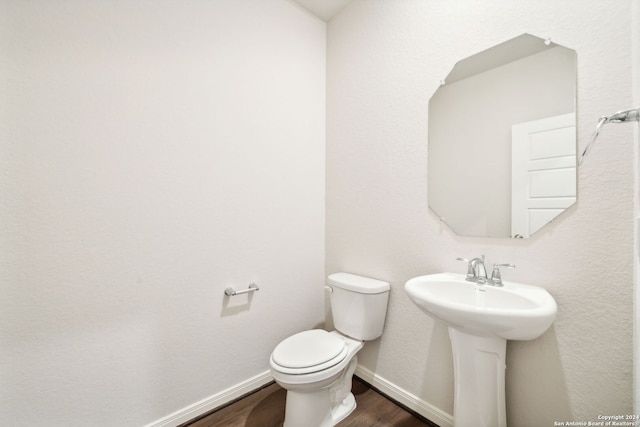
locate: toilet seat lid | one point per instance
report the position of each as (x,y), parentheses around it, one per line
(308,348)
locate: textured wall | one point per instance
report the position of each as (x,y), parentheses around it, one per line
(635,46)
(153,153)
(385,59)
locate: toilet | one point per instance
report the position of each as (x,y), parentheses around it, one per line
(316,366)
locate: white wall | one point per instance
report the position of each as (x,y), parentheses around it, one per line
(385,60)
(635,45)
(153,153)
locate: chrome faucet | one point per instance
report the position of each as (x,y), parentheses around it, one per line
(477,272)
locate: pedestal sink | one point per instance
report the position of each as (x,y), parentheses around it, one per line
(481,318)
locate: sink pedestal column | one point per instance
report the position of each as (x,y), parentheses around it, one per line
(479,368)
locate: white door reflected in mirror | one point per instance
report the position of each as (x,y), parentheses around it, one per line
(543,172)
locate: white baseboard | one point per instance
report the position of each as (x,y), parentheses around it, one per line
(407,399)
(214,401)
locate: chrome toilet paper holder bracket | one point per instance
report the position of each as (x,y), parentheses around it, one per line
(232,292)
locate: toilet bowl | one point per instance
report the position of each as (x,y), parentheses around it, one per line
(316,366)
(318,394)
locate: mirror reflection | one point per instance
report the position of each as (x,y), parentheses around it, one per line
(502,139)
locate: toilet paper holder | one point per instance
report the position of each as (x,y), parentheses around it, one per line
(231,292)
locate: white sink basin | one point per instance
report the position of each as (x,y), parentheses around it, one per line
(513,311)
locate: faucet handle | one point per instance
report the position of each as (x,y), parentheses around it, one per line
(470,273)
(496,277)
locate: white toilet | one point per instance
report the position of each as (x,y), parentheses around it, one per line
(316,366)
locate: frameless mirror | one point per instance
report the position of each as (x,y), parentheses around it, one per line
(502,139)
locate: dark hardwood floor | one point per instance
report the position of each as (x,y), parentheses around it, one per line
(265,408)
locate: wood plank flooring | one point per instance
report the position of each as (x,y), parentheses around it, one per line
(265,408)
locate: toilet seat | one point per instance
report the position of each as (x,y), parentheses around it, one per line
(308,352)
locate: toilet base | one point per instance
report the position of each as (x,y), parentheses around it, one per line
(324,407)
(343,410)
(312,409)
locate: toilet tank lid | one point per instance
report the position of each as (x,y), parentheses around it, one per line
(355,283)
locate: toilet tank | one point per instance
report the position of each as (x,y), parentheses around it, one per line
(359,305)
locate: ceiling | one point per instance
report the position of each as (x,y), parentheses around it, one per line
(323,9)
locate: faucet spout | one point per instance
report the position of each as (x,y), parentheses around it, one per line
(479,270)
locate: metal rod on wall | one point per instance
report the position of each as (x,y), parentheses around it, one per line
(231,292)
(631,115)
